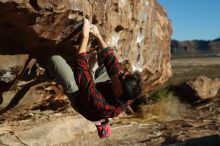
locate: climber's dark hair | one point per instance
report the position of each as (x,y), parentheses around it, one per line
(132,86)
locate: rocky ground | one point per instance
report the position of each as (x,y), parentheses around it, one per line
(203,120)
(65,128)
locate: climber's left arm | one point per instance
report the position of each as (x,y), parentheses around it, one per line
(85,37)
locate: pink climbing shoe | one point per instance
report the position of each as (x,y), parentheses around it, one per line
(104,128)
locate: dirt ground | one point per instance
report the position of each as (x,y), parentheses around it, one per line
(185,69)
(165,122)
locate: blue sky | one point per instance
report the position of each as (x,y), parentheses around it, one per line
(193,19)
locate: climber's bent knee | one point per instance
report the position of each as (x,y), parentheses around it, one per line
(59,69)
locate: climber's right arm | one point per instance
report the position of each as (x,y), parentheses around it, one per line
(107,54)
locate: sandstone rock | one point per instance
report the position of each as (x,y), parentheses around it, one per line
(139,31)
(55,132)
(200,88)
(11,66)
(204,87)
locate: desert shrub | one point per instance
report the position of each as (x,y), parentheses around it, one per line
(160,94)
(151,98)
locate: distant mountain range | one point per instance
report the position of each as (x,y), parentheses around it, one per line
(195,48)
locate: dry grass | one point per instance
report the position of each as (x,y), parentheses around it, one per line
(166,108)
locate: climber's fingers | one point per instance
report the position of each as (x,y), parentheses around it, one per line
(86,21)
(86,28)
(94,30)
(91,26)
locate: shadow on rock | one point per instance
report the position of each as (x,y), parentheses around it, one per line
(185,93)
(20,94)
(21,32)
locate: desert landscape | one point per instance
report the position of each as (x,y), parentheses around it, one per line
(187,68)
(181,98)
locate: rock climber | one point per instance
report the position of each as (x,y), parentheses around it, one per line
(98,99)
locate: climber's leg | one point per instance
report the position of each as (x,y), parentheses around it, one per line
(59,69)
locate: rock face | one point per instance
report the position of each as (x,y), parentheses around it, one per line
(138,30)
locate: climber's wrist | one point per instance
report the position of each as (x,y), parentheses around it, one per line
(85,37)
(99,37)
(102,43)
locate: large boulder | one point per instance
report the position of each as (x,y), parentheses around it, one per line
(200,88)
(138,30)
(204,88)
